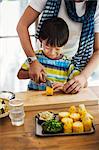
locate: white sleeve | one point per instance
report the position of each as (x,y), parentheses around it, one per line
(38,5)
(97,18)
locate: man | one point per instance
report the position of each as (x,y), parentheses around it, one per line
(82,18)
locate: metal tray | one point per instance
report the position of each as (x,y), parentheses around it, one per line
(38,131)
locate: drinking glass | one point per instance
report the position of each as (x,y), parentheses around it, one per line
(16,112)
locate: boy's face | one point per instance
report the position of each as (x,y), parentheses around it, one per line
(49,51)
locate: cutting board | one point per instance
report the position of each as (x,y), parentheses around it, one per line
(37,100)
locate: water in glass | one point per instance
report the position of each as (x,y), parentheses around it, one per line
(16,113)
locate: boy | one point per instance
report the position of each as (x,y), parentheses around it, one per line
(53,36)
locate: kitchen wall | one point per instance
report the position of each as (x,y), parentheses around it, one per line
(11,53)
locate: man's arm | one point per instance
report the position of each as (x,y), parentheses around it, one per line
(78,82)
(29,17)
(94,61)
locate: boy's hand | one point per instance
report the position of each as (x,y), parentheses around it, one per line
(74,85)
(58,86)
(36,72)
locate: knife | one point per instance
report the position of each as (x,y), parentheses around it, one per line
(48,83)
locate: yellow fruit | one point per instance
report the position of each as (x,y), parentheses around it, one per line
(67,129)
(75,116)
(82,109)
(86,114)
(78,127)
(90,116)
(63,114)
(67,121)
(87,122)
(72,109)
(49,91)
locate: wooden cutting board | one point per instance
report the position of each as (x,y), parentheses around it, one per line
(37,100)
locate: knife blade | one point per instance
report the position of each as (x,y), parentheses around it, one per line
(48,83)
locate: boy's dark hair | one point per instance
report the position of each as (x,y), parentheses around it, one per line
(55,31)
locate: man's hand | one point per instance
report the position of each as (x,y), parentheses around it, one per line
(74,85)
(36,72)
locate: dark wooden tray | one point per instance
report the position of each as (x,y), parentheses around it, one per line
(38,131)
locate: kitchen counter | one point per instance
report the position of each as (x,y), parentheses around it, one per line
(23,137)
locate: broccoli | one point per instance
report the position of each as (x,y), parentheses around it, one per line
(52,126)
